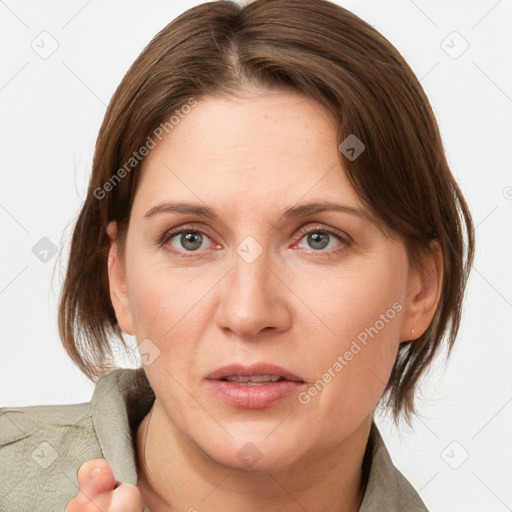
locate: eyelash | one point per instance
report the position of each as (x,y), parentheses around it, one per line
(345,239)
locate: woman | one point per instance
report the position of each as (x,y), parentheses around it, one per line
(272,216)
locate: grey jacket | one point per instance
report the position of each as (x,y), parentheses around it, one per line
(42,447)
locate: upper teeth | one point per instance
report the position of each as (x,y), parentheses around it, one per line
(253,378)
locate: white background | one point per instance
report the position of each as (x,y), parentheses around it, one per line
(51,112)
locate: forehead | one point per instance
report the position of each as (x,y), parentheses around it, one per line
(278,147)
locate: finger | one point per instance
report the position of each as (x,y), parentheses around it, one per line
(96,477)
(100,490)
(126,498)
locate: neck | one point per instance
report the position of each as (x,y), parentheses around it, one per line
(174,476)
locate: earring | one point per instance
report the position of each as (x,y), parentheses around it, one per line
(412,334)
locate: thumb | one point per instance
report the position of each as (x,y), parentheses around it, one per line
(98,490)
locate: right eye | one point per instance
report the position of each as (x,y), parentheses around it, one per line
(189,241)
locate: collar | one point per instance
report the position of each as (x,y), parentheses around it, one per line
(123,397)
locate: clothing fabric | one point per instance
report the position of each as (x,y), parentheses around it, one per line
(42,447)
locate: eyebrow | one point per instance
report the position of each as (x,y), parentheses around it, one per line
(200,211)
(293,211)
(312,208)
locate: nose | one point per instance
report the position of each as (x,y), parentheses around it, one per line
(253,300)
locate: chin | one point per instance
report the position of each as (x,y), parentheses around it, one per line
(255,450)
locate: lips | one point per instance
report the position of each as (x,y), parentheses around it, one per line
(254,370)
(254,380)
(257,386)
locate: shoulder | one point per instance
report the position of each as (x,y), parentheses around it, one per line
(387,487)
(42,448)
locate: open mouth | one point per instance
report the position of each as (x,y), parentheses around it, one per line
(254,380)
(257,386)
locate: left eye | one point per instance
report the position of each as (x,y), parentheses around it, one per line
(190,241)
(319,240)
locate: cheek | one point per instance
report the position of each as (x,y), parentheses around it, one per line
(153,303)
(364,296)
(170,306)
(361,325)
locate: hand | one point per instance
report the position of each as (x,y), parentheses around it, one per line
(96,480)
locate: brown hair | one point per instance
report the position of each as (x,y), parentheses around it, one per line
(326,53)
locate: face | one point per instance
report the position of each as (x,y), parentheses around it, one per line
(270,305)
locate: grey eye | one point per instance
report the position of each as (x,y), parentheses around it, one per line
(318,240)
(190,241)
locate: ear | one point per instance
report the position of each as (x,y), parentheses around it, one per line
(117,282)
(424,292)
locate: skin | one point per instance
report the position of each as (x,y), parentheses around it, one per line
(249,158)
(96,480)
